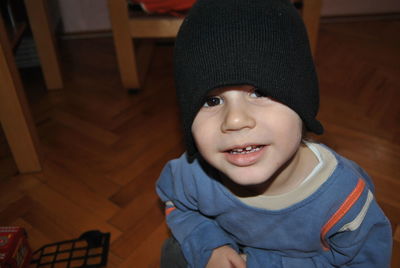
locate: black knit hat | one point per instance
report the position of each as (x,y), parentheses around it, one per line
(262,43)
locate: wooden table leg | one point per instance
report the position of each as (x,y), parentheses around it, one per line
(43,34)
(15,116)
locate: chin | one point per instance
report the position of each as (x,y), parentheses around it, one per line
(248,178)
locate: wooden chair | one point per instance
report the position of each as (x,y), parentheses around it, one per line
(130,27)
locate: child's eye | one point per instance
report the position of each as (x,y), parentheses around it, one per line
(256,94)
(212,101)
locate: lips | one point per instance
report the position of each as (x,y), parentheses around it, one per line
(243,156)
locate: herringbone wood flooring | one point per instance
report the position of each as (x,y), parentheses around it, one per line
(103,149)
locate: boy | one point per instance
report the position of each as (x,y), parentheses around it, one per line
(249,191)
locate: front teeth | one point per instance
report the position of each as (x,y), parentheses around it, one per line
(247,150)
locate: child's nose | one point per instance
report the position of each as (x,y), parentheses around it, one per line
(237,118)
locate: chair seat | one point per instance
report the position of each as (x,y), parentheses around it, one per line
(144,25)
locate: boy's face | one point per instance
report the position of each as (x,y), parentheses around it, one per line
(246,136)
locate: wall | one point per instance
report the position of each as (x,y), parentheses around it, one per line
(84,15)
(92,15)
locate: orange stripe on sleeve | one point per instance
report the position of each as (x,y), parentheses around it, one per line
(343,209)
(169,210)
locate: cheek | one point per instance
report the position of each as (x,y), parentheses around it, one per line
(202,132)
(289,124)
(288,132)
(293,130)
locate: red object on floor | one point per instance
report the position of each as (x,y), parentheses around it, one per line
(14,248)
(174,7)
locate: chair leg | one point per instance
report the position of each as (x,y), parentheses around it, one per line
(45,43)
(124,45)
(15,116)
(311,14)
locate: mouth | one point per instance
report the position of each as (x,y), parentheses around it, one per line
(245,149)
(244,155)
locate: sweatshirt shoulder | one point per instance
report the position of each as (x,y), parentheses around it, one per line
(182,164)
(183,170)
(348,171)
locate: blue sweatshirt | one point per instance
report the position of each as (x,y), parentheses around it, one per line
(339,224)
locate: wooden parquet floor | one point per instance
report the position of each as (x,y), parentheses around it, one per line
(103,149)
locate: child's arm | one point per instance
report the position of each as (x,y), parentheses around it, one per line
(364,240)
(197,234)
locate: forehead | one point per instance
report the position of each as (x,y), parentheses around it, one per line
(220,90)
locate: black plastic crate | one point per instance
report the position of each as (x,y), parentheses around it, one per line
(90,250)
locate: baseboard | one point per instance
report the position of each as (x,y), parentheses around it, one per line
(364,17)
